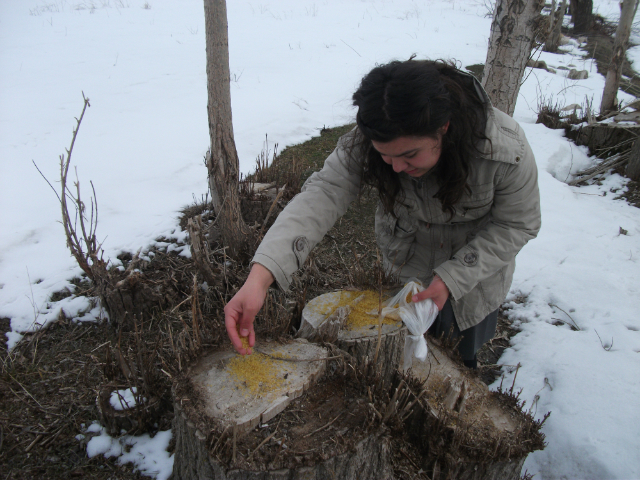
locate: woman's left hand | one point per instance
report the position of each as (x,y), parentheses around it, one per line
(436,291)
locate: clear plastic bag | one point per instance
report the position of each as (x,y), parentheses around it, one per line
(418,317)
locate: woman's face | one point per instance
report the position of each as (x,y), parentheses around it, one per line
(414,156)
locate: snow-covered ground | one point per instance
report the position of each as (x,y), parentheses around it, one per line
(294,65)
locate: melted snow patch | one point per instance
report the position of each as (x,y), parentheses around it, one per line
(148,454)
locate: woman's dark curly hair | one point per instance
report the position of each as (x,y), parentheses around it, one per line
(416,98)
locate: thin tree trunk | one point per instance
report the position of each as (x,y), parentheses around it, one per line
(222,159)
(614,73)
(633,167)
(510,43)
(552,20)
(555,27)
(582,15)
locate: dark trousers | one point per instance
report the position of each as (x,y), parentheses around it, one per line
(472,338)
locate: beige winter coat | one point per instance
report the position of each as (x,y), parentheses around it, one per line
(473,252)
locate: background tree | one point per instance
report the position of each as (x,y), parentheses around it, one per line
(555,26)
(633,167)
(222,158)
(614,73)
(582,15)
(513,33)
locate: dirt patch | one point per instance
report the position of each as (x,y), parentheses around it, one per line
(49,383)
(5,326)
(632,193)
(46,396)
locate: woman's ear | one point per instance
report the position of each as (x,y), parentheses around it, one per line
(444,128)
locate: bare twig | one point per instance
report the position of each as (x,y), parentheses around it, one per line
(380,317)
(613,162)
(271,209)
(261,444)
(606,349)
(46,179)
(235,438)
(572,320)
(323,427)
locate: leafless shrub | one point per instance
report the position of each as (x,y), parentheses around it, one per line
(79,223)
(286,175)
(549,113)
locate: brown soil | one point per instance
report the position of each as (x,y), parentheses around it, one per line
(46,395)
(632,194)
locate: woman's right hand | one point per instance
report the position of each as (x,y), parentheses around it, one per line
(241,310)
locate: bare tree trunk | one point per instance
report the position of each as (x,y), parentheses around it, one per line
(510,43)
(582,15)
(633,167)
(614,73)
(555,27)
(222,160)
(552,24)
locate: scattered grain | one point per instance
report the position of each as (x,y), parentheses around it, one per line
(256,373)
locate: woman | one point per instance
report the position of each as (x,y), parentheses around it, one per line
(458,191)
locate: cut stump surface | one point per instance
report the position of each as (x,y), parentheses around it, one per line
(229,401)
(361,340)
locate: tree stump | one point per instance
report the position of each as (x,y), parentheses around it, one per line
(468,432)
(132,293)
(607,135)
(302,422)
(323,319)
(141,415)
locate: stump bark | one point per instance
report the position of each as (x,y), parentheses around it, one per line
(633,167)
(463,411)
(370,460)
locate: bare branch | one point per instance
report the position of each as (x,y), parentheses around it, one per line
(84,248)
(45,179)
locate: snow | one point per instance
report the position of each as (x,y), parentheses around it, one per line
(124,399)
(148,454)
(294,65)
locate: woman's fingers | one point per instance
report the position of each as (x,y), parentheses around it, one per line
(436,291)
(231,320)
(242,309)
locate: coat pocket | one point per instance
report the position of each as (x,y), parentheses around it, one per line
(396,238)
(475,210)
